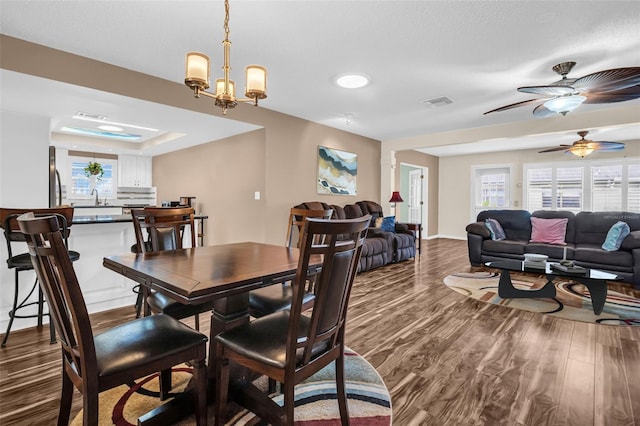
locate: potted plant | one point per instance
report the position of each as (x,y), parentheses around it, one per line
(94,169)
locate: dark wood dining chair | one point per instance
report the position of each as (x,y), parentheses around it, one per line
(22,262)
(166,229)
(277,297)
(289,346)
(117,356)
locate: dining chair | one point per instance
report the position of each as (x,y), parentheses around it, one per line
(289,346)
(166,229)
(277,297)
(117,356)
(22,262)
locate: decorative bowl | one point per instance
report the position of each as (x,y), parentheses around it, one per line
(534,257)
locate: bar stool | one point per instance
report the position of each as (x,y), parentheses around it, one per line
(22,262)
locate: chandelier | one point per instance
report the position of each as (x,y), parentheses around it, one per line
(197,76)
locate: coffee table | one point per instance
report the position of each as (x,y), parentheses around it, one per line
(594,279)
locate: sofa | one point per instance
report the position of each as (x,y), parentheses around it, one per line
(380,247)
(584,236)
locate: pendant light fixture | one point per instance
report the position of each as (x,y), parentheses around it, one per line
(197,76)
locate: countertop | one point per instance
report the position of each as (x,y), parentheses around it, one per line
(116,218)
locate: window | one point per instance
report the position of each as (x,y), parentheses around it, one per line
(81,185)
(583,185)
(491,188)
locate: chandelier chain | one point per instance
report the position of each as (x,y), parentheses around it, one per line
(226,20)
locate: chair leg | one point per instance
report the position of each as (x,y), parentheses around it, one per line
(90,409)
(289,401)
(272,386)
(222,387)
(65,400)
(200,378)
(342,392)
(165,384)
(138,300)
(197,322)
(12,312)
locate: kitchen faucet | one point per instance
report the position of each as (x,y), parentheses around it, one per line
(97,203)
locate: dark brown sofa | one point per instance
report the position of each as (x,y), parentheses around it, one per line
(380,247)
(585,234)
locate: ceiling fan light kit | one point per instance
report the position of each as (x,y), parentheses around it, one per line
(197,76)
(567,94)
(584,147)
(565,104)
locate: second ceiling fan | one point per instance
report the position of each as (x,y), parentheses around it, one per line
(566,94)
(584,147)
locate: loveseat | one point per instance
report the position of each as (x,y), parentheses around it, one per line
(584,236)
(380,247)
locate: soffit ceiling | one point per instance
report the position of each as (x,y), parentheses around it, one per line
(476,53)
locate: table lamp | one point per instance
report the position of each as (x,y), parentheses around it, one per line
(395,198)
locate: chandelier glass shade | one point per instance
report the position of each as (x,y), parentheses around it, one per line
(565,104)
(581,150)
(197,76)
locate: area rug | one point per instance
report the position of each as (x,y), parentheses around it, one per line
(316,405)
(572,299)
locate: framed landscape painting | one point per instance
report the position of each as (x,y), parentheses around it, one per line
(337,171)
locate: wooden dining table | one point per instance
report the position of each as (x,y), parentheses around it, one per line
(223,274)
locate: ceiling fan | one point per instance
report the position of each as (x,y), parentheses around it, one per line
(584,147)
(563,96)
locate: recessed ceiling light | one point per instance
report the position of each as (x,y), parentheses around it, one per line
(110,128)
(352,80)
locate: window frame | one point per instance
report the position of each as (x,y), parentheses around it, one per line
(477,172)
(72,195)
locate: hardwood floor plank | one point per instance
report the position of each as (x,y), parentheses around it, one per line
(447,360)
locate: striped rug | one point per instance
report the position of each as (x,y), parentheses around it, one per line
(316,405)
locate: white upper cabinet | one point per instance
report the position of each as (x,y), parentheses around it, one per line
(134,170)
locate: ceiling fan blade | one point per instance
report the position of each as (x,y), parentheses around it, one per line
(627,94)
(542,111)
(608,80)
(549,91)
(607,146)
(517,104)
(558,148)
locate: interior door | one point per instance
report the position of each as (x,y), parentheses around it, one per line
(415,196)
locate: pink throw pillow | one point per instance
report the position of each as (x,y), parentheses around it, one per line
(550,231)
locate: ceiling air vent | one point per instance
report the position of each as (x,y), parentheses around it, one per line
(437,102)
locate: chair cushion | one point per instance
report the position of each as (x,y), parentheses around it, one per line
(264,339)
(274,298)
(143,341)
(23,261)
(159,303)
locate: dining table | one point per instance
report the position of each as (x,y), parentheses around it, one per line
(224,274)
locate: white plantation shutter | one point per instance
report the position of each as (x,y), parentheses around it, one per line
(583,185)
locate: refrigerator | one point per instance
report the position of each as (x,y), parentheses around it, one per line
(55,186)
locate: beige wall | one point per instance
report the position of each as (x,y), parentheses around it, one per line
(432,163)
(282,156)
(455,181)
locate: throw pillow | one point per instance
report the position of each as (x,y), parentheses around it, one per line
(388,224)
(494,227)
(550,231)
(378,223)
(616,234)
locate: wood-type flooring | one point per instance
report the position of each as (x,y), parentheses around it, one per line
(446,359)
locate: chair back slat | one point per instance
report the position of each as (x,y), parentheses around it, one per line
(339,244)
(164,226)
(53,266)
(297,218)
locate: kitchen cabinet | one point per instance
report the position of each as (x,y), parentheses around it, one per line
(134,170)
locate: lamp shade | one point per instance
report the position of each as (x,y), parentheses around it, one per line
(396,198)
(564,104)
(197,70)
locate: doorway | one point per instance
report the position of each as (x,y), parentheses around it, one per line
(414,186)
